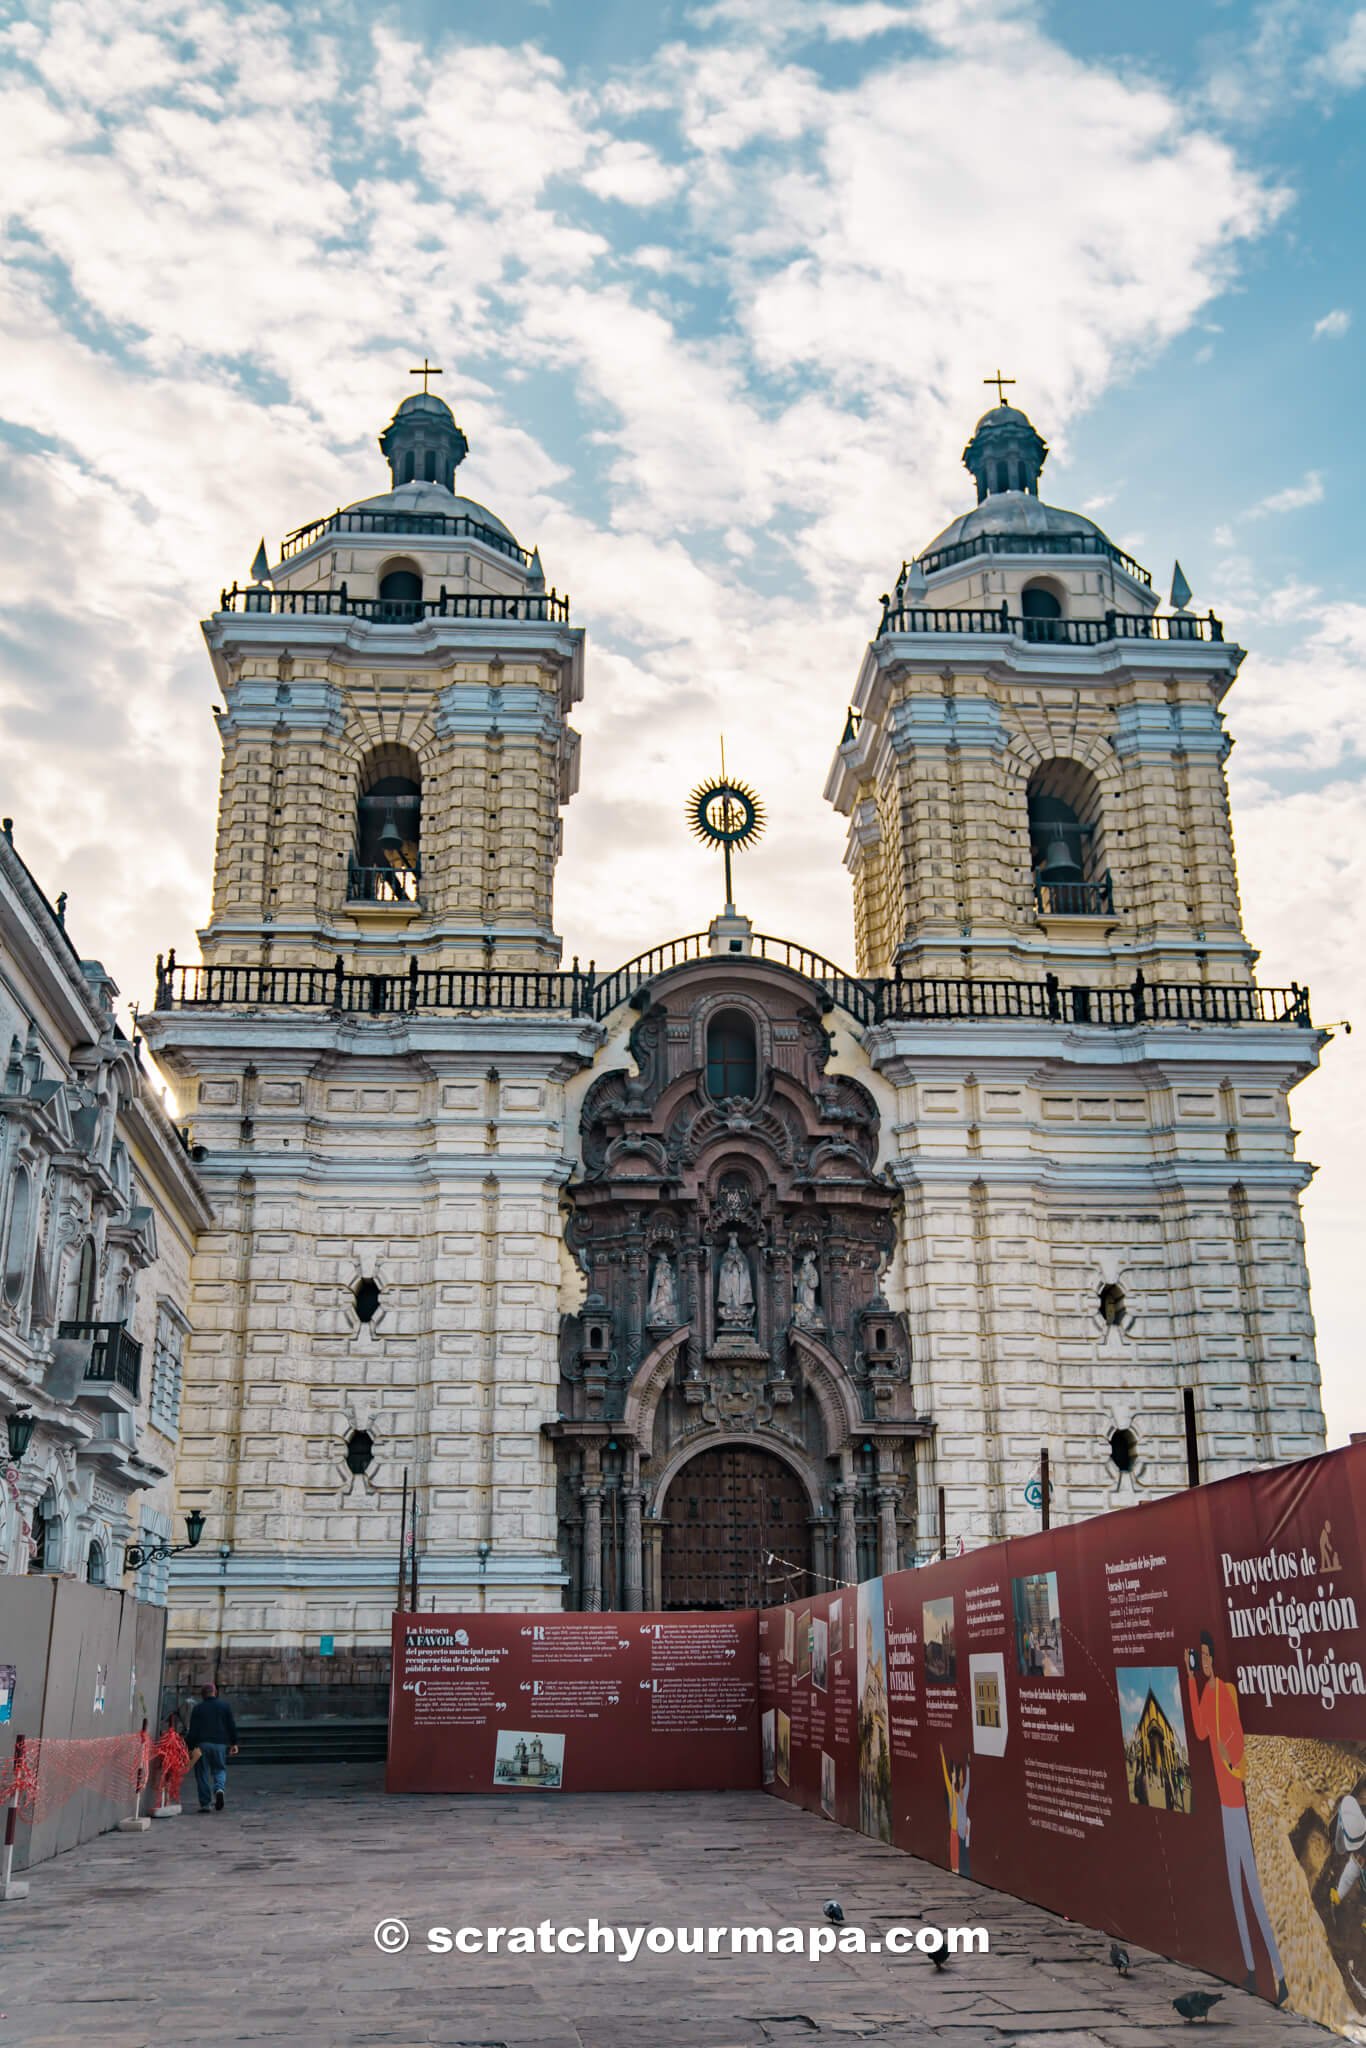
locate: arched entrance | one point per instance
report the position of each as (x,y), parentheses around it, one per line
(725,1510)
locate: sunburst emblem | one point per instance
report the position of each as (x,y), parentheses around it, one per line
(727,814)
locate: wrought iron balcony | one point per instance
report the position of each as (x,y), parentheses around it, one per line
(1033,544)
(385,884)
(1074,899)
(456,526)
(115,1358)
(535,608)
(1050,632)
(578,994)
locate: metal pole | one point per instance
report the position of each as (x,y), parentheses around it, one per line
(402,1538)
(943,1528)
(413,1601)
(12,1887)
(1192,1438)
(1044,1502)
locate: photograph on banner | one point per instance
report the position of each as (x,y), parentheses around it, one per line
(941,1647)
(828,1784)
(820,1654)
(1038,1625)
(784,1757)
(1156,1754)
(534,1761)
(768,1741)
(803,1631)
(874,1732)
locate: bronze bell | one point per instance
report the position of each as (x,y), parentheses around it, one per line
(1059,865)
(390,839)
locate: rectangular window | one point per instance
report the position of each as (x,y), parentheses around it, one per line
(167,1369)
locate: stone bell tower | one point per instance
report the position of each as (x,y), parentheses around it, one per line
(371,1059)
(1103,1253)
(1033,770)
(395,745)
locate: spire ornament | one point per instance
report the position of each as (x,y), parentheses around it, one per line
(727,814)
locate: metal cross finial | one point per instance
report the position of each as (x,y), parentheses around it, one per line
(998,380)
(430,370)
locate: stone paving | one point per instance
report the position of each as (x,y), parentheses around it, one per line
(256,1925)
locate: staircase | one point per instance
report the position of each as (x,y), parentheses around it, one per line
(313,1742)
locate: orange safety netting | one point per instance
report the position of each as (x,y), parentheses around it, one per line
(45,1772)
(173,1758)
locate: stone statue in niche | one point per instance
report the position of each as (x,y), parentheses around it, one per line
(735,1289)
(806,1290)
(662,1311)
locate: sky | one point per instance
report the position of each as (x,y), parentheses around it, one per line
(715,288)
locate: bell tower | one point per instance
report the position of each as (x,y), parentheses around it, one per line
(396,690)
(1033,768)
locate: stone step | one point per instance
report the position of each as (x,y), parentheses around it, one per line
(333,1741)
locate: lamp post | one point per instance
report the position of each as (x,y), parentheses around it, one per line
(139,1554)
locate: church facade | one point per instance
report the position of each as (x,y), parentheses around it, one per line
(732,1272)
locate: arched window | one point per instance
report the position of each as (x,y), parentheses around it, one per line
(732,1057)
(94,1565)
(16,1243)
(386,865)
(1040,601)
(400,591)
(1067,841)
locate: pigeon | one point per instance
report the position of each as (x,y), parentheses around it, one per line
(938,1950)
(1119,1958)
(833,1910)
(1195,2005)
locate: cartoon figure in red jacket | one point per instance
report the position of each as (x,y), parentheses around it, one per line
(1215,1719)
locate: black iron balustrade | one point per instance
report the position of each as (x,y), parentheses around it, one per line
(115,1357)
(531,607)
(441,525)
(578,993)
(1075,899)
(905,618)
(1033,544)
(386,884)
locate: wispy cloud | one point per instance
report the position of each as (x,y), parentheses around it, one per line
(1333,325)
(1293,498)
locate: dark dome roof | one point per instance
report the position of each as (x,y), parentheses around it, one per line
(1015,512)
(425,401)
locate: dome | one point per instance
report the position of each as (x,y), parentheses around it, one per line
(1017,512)
(422,500)
(425,401)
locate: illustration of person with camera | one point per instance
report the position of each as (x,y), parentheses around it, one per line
(1215,1719)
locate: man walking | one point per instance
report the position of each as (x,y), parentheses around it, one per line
(213,1732)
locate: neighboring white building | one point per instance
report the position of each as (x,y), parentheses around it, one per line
(99,1209)
(642,1279)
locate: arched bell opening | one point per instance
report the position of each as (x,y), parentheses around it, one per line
(400,591)
(1067,841)
(386,864)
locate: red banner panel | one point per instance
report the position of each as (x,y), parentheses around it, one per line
(1154,1722)
(573,1703)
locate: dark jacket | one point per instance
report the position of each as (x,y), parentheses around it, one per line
(212,1721)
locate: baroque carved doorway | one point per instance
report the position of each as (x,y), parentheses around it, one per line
(724,1512)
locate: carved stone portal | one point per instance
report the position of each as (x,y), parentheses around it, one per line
(734,1244)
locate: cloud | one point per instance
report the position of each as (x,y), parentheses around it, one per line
(1293,499)
(714,317)
(1333,325)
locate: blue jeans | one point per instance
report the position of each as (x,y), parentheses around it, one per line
(210,1771)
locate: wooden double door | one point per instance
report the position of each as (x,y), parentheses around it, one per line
(726,1512)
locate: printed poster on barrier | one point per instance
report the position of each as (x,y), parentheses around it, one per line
(9,1678)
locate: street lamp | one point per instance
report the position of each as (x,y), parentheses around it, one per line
(139,1554)
(20,1429)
